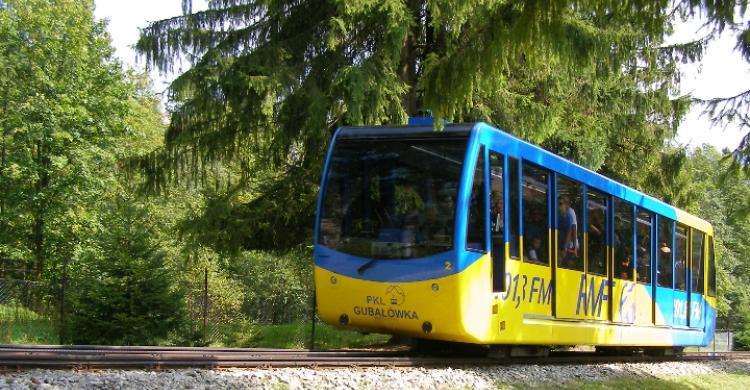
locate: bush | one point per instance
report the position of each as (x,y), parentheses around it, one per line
(122,294)
(278,285)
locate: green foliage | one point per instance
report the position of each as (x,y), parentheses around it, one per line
(121,292)
(725,202)
(297,335)
(270,81)
(19,325)
(714,381)
(63,101)
(278,286)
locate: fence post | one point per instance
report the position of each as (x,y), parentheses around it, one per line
(312,317)
(205,305)
(62,299)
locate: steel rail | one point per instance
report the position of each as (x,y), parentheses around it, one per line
(49,356)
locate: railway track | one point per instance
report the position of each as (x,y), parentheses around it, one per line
(49,356)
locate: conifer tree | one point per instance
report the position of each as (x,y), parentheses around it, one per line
(270,80)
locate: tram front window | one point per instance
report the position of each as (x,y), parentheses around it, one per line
(391,198)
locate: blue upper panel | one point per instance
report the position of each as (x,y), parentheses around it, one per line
(479,134)
(505,143)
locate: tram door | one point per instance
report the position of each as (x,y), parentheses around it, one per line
(583,257)
(597,291)
(680,298)
(664,272)
(623,265)
(571,281)
(644,243)
(696,307)
(528,281)
(497,221)
(535,237)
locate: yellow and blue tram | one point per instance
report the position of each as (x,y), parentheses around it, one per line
(472,235)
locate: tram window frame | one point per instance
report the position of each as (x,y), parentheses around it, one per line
(573,254)
(665,252)
(603,231)
(643,269)
(711,268)
(476,225)
(696,275)
(497,219)
(681,248)
(624,239)
(514,201)
(543,234)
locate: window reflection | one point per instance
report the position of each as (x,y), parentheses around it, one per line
(643,238)
(535,229)
(680,266)
(597,232)
(392,199)
(569,232)
(664,270)
(623,240)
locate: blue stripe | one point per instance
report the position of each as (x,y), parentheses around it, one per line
(392,270)
(505,143)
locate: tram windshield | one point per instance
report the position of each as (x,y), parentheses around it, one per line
(391,198)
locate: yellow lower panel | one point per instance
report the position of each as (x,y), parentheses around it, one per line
(462,307)
(457,307)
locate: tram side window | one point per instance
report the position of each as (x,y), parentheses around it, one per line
(697,264)
(497,222)
(513,205)
(643,240)
(680,266)
(623,240)
(664,270)
(535,217)
(568,230)
(475,238)
(711,268)
(596,227)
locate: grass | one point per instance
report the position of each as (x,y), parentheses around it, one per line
(19,325)
(297,335)
(700,382)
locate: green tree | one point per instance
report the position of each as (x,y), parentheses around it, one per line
(724,110)
(62,102)
(121,292)
(725,202)
(271,80)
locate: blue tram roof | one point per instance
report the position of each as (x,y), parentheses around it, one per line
(513,146)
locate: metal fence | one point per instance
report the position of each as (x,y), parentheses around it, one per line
(27,316)
(723,342)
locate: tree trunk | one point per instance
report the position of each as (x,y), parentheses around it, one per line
(409,56)
(3,164)
(40,212)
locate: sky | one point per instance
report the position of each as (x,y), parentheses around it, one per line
(721,73)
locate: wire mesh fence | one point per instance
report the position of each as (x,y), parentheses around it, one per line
(27,316)
(30,314)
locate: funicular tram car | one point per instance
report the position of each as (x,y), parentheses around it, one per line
(472,235)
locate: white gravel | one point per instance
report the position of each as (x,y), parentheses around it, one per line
(357,378)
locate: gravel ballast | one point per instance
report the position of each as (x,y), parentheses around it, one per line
(359,378)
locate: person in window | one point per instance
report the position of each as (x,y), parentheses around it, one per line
(626,268)
(568,228)
(497,223)
(441,223)
(679,270)
(596,242)
(643,271)
(534,253)
(533,232)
